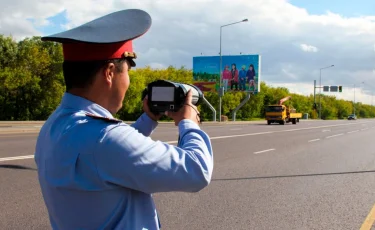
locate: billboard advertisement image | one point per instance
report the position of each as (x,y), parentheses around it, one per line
(239,73)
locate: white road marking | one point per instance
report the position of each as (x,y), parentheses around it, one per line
(364,129)
(335,135)
(326,130)
(235,129)
(263,151)
(16,158)
(171,142)
(240,135)
(214,138)
(280,131)
(314,140)
(353,131)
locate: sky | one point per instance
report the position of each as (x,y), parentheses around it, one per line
(295,38)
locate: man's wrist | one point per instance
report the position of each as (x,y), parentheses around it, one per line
(147,116)
(187,124)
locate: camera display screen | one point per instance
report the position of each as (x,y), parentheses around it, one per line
(163,94)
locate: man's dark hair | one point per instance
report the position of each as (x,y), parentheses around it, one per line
(82,73)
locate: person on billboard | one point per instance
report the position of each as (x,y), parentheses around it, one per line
(250,76)
(242,75)
(234,77)
(226,77)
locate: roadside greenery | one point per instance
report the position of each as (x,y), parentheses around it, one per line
(31,86)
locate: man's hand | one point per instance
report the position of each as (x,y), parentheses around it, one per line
(188,111)
(146,109)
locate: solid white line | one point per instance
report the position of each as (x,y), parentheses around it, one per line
(241,135)
(214,138)
(280,131)
(335,135)
(353,131)
(16,158)
(314,140)
(171,142)
(326,130)
(263,151)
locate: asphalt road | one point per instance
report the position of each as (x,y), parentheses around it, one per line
(313,175)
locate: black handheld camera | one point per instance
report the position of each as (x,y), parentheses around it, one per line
(166,95)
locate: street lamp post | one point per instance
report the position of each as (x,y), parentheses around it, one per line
(220,90)
(320,89)
(354,98)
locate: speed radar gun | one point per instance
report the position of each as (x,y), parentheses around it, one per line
(166,95)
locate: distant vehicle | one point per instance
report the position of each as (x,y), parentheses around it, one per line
(282,114)
(352,117)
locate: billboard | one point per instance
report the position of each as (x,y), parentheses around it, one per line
(239,73)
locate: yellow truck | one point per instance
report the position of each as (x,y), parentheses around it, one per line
(282,114)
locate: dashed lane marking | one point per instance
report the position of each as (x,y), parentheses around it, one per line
(263,151)
(314,140)
(335,135)
(353,131)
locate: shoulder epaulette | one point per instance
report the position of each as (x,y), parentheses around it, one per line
(111,120)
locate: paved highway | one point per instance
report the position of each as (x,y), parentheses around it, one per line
(313,175)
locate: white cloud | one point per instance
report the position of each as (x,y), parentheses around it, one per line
(309,48)
(186,28)
(15,16)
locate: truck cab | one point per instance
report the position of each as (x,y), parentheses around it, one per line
(275,113)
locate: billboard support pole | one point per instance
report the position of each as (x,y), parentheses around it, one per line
(211,107)
(240,105)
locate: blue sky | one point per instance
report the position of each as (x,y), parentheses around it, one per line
(346,8)
(56,24)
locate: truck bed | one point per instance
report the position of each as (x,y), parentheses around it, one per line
(295,115)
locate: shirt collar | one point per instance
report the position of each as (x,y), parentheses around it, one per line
(79,103)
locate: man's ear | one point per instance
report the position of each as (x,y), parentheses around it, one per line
(109,72)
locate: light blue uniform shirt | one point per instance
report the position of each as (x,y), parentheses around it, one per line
(97,174)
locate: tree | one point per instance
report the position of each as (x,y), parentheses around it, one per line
(32,84)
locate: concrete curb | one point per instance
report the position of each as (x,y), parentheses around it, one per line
(9,124)
(39,123)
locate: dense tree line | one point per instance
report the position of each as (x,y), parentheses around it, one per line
(31,86)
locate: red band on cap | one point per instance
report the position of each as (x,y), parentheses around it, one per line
(94,51)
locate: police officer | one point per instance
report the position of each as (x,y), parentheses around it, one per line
(95,171)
